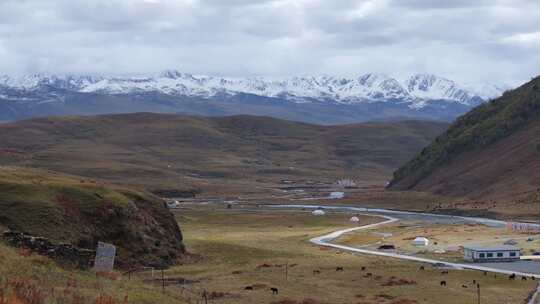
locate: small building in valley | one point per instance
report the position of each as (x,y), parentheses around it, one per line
(503,253)
(420,241)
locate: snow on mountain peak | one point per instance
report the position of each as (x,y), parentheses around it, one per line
(372,87)
(428,86)
(487,91)
(24,81)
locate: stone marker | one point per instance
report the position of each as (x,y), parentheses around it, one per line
(105,255)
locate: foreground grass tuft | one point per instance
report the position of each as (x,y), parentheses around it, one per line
(34,279)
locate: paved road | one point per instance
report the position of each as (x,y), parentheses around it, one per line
(535,296)
(326,240)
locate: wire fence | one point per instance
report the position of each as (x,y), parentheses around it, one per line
(175,287)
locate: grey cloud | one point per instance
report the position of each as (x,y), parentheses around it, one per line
(442,4)
(466,40)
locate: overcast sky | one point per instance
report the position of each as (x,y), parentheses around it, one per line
(466,40)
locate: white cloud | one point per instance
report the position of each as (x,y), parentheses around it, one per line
(527,39)
(366,8)
(464,39)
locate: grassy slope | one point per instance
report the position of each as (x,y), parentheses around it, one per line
(178,152)
(69,209)
(492,131)
(58,285)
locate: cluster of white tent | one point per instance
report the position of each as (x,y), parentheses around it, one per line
(320,212)
(418,241)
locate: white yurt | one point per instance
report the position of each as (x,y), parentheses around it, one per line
(318,212)
(420,241)
(354,219)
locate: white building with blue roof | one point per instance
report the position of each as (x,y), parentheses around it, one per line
(502,253)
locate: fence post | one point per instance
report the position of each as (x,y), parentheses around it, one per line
(478,290)
(163,280)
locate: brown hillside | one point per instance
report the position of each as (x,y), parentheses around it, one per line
(493,152)
(507,168)
(161,151)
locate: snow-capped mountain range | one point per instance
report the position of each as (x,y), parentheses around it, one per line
(416,90)
(320,99)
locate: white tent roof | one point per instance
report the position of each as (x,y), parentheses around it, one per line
(354,219)
(420,240)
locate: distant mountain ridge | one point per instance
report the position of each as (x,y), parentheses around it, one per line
(419,96)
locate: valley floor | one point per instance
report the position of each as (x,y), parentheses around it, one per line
(250,247)
(236,243)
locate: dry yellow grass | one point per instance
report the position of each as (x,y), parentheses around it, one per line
(53,284)
(234,244)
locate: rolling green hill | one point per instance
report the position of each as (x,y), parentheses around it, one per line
(182,153)
(492,151)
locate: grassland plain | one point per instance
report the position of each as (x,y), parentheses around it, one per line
(251,248)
